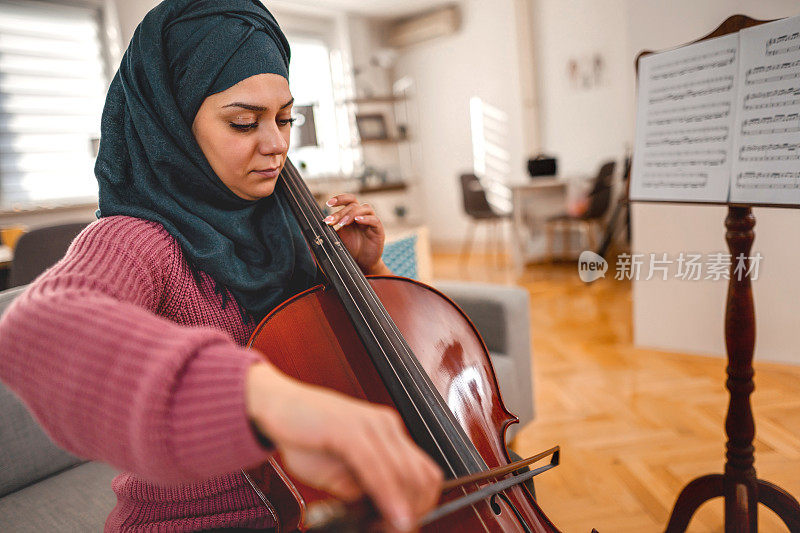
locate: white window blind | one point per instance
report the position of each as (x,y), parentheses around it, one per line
(52,90)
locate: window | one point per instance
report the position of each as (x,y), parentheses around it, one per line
(52,90)
(317,82)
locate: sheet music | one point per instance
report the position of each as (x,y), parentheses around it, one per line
(684,122)
(766,168)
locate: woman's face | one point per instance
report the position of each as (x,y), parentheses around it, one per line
(244,133)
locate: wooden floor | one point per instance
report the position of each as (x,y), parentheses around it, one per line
(634,425)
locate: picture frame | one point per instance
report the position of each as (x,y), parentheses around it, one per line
(372,126)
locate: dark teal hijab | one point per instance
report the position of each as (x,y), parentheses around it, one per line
(150,165)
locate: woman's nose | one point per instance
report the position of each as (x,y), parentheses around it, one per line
(271,140)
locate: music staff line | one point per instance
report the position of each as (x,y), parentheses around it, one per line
(785,50)
(750,126)
(700,57)
(768,180)
(782,103)
(791,92)
(685,163)
(788,157)
(771,147)
(673,153)
(691,94)
(684,180)
(750,78)
(692,84)
(773,46)
(770,152)
(689,119)
(688,130)
(673,141)
(689,70)
(688,108)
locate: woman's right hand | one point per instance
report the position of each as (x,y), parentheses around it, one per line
(344,446)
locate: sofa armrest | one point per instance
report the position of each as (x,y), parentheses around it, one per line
(7,296)
(502,315)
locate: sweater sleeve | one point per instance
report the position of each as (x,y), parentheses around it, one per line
(109,379)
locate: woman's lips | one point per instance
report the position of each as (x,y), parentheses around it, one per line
(268,173)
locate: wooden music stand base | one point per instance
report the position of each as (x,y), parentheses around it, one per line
(740,499)
(740,487)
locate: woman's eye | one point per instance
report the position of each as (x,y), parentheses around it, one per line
(286,121)
(243,127)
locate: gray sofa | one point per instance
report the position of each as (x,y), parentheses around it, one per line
(43,488)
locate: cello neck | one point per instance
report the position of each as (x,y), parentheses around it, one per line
(424,411)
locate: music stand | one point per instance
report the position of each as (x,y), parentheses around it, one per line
(738,484)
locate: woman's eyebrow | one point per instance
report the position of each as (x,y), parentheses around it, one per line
(251,107)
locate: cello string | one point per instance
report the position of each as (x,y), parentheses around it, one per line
(404,352)
(378,311)
(377,308)
(339,274)
(305,213)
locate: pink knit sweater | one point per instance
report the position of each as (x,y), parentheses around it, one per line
(123,358)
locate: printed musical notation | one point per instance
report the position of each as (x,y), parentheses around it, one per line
(683,125)
(692,89)
(686,139)
(688,158)
(719,120)
(768,180)
(688,119)
(675,180)
(772,73)
(783,44)
(711,61)
(770,152)
(771,125)
(767,146)
(768,99)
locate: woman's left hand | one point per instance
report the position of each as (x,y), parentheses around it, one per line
(361,231)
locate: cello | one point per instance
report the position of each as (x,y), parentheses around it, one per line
(397,342)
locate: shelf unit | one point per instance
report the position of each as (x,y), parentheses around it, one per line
(393,156)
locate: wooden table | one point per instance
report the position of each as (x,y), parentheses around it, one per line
(533,202)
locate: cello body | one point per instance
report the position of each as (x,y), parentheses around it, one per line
(310,338)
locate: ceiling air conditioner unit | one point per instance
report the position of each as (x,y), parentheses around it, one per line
(437,23)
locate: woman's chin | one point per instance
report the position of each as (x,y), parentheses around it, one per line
(261,189)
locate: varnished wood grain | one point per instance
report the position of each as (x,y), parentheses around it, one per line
(311,338)
(635,425)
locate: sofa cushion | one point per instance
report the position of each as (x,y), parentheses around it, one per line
(76,500)
(7,296)
(26,453)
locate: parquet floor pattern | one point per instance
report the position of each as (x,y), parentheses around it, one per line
(634,425)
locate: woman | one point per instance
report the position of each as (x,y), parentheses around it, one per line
(129,350)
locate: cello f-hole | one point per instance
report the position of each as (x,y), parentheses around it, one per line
(495,506)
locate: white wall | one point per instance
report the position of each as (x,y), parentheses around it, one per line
(131,13)
(582,127)
(480,60)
